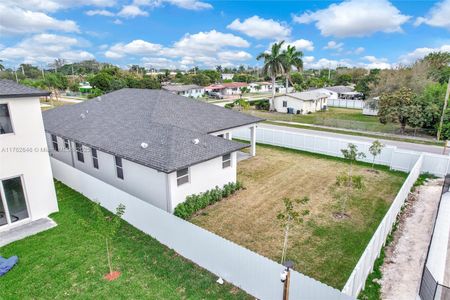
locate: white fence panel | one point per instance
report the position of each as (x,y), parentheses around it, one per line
(249,271)
(364,266)
(436,164)
(359,104)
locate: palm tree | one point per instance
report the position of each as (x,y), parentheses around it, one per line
(2,67)
(273,66)
(292,58)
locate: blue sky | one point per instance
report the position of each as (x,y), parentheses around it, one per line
(186,33)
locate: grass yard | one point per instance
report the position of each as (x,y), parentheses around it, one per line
(323,247)
(69,261)
(337,118)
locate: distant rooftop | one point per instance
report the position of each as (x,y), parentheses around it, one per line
(180,87)
(226,85)
(11,89)
(307,96)
(340,89)
(119,122)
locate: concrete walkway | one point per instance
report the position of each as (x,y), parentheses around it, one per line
(401,145)
(403,265)
(23,231)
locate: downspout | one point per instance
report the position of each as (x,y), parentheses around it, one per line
(71,153)
(168,194)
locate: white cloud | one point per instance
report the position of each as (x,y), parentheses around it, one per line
(359,50)
(131,11)
(375,63)
(159,63)
(45,48)
(260,28)
(203,48)
(15,20)
(438,16)
(355,18)
(100,12)
(186,4)
(332,45)
(302,44)
(55,5)
(136,47)
(234,55)
(117,21)
(324,63)
(419,53)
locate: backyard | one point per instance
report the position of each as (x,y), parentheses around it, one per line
(345,118)
(69,261)
(323,247)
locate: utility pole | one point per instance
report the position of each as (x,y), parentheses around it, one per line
(23,71)
(15,74)
(443,111)
(42,71)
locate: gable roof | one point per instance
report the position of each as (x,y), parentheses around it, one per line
(11,89)
(180,87)
(226,85)
(306,96)
(339,88)
(118,122)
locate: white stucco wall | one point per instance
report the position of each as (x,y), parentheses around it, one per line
(140,181)
(202,177)
(24,153)
(194,93)
(297,104)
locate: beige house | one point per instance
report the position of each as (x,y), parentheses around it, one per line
(301,102)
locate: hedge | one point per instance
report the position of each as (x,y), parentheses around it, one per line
(197,202)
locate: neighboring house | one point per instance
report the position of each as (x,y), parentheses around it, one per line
(152,144)
(27,192)
(227,76)
(188,90)
(340,92)
(260,87)
(227,89)
(301,102)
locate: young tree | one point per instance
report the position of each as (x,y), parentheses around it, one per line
(375,150)
(351,154)
(106,227)
(290,216)
(273,66)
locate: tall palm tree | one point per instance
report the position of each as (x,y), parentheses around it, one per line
(292,58)
(273,66)
(2,67)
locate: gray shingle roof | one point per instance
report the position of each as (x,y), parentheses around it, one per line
(11,89)
(180,87)
(339,88)
(306,96)
(120,121)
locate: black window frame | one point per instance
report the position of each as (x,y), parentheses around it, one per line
(183,176)
(226,161)
(55,142)
(285,103)
(66,144)
(94,158)
(8,115)
(119,167)
(79,150)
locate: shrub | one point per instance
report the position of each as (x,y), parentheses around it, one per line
(262,104)
(229,105)
(196,202)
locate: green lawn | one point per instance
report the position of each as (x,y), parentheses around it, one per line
(69,261)
(336,118)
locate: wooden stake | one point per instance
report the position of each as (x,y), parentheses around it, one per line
(286,285)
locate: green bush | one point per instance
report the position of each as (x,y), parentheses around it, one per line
(197,202)
(261,104)
(229,105)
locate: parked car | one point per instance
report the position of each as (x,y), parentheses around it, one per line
(215,95)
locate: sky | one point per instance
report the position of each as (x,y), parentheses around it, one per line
(186,33)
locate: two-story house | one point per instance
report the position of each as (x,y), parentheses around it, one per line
(152,144)
(27,191)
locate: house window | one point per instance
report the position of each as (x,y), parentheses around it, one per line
(5,120)
(79,149)
(226,161)
(119,167)
(66,144)
(94,158)
(182,176)
(55,143)
(284,103)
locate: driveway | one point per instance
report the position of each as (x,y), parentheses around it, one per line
(350,138)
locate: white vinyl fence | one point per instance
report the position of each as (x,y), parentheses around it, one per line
(359,104)
(364,267)
(391,156)
(255,274)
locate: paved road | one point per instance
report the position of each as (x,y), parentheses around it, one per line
(402,145)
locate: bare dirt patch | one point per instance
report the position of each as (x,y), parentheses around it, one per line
(405,256)
(323,247)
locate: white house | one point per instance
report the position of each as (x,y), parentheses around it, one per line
(260,87)
(227,76)
(186,90)
(27,192)
(152,144)
(301,102)
(227,89)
